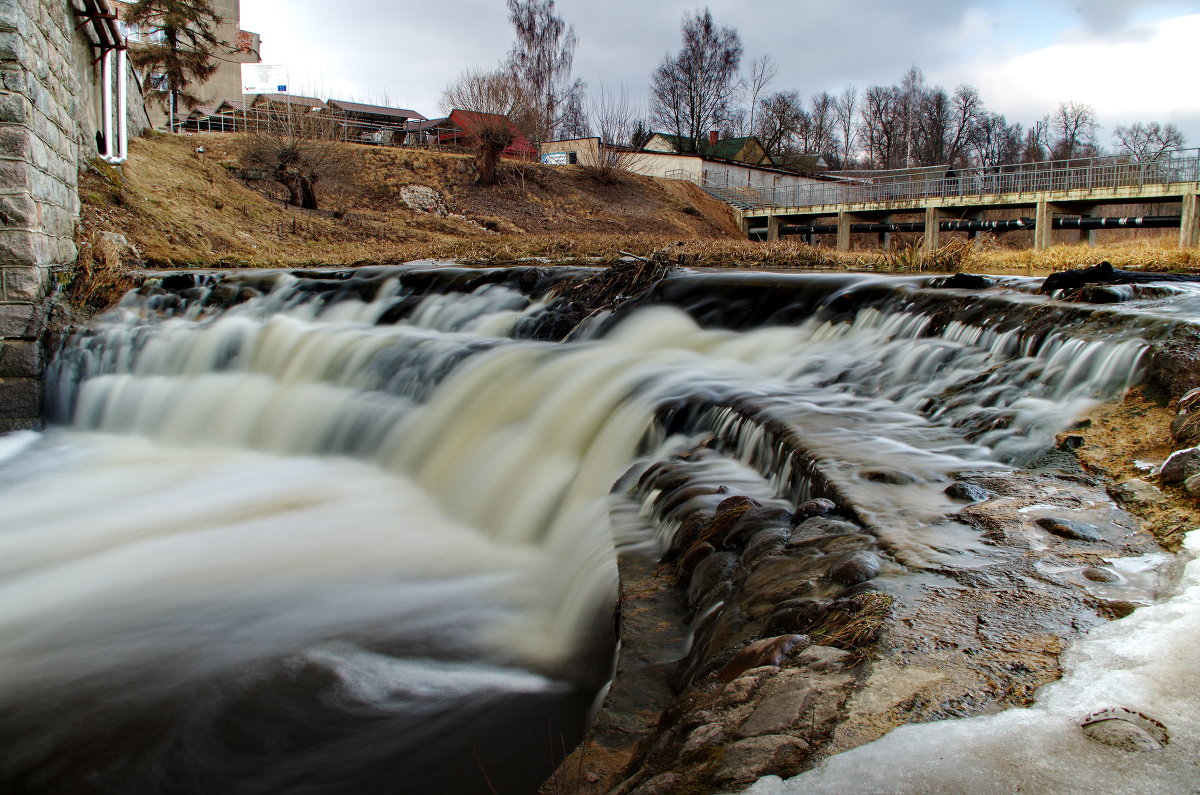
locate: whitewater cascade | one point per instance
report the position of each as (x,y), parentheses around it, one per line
(307,533)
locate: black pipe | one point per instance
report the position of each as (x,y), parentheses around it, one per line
(1136,222)
(1008,225)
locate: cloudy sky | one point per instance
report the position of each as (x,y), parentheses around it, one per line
(1131,59)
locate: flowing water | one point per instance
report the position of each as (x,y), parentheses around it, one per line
(320,535)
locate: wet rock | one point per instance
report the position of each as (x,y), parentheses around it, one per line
(1136,492)
(766,542)
(891,477)
(1096,574)
(854,567)
(817,507)
(749,759)
(1180,466)
(662,784)
(1189,402)
(710,734)
(1185,428)
(1067,528)
(1192,485)
(967,492)
(711,571)
(728,513)
(818,527)
(670,502)
(796,616)
(848,542)
(739,690)
(824,658)
(1126,729)
(1119,608)
(691,532)
(692,559)
(963,281)
(779,711)
(1104,294)
(753,521)
(1071,441)
(768,651)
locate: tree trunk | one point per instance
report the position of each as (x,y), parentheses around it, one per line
(487,158)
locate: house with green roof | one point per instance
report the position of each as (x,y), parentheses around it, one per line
(746,149)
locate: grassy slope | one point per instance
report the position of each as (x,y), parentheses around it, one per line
(178,208)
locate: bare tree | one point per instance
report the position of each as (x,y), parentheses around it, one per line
(822,125)
(183,46)
(616,125)
(1074,127)
(502,111)
(781,117)
(1148,141)
(574,122)
(846,109)
(691,93)
(541,59)
(299,149)
(762,71)
(996,142)
(882,130)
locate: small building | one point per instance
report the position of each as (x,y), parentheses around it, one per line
(746,149)
(704,170)
(375,124)
(457,128)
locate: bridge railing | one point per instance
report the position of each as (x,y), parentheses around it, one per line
(1095,173)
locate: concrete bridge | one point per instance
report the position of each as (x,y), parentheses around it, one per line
(1061,194)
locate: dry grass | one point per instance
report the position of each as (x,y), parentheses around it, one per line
(182,209)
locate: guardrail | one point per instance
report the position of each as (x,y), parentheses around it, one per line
(1097,173)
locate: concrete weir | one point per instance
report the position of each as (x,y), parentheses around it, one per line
(52,109)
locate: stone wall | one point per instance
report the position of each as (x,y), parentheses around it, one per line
(50,112)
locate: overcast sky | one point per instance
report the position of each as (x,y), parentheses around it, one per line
(1131,59)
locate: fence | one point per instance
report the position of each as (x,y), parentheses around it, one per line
(324,125)
(1097,173)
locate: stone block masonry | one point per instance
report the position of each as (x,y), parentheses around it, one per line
(49,114)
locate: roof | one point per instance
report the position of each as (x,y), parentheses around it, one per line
(728,148)
(200,111)
(231,104)
(374,110)
(292,99)
(470,120)
(427,124)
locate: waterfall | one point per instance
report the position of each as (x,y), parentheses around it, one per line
(346,533)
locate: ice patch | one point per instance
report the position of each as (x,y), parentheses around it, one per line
(1145,663)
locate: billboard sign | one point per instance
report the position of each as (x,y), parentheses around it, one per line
(263,78)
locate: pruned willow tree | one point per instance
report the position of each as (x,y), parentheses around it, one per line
(541,61)
(693,92)
(501,111)
(181,44)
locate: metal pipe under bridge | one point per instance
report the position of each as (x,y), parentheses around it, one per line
(1056,194)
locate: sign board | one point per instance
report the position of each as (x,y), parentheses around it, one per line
(263,78)
(558,158)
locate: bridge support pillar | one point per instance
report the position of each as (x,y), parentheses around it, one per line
(772,228)
(745,227)
(1189,221)
(1087,235)
(933,228)
(1043,232)
(885,238)
(844,221)
(976,237)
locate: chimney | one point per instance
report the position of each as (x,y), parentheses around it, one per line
(712,137)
